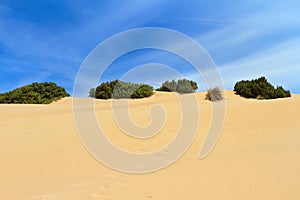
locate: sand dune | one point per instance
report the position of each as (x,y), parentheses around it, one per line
(257,156)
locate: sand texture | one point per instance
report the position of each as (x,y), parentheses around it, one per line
(256,157)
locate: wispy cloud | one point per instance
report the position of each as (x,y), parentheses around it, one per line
(41,51)
(264,43)
(281,64)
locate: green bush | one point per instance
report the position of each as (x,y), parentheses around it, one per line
(214,94)
(92,93)
(260,88)
(180,86)
(118,89)
(142,91)
(35,93)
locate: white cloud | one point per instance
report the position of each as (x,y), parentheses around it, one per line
(281,64)
(241,49)
(251,29)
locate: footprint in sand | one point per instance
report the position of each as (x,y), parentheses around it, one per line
(111,176)
(37,198)
(95,196)
(80,183)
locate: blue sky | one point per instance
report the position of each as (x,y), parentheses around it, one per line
(47,40)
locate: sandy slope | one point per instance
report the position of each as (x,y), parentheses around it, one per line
(257,156)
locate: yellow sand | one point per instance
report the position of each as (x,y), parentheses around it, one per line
(257,156)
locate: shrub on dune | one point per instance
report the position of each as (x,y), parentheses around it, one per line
(92,93)
(35,93)
(180,86)
(118,89)
(214,94)
(260,89)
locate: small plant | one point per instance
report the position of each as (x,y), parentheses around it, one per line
(92,93)
(214,94)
